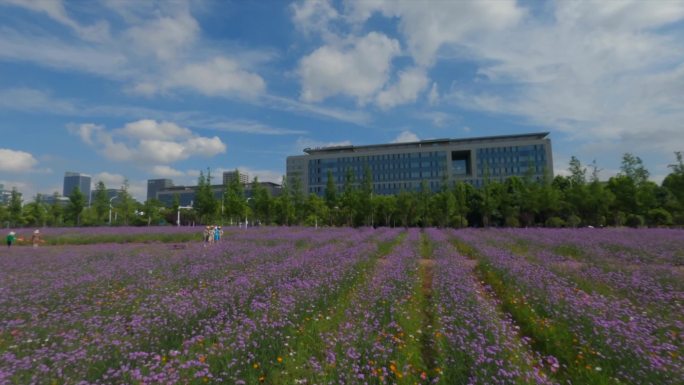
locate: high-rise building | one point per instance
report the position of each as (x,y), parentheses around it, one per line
(75,179)
(228,176)
(154,185)
(5,195)
(403,166)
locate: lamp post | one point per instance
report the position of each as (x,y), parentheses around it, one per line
(247,200)
(178,213)
(110,209)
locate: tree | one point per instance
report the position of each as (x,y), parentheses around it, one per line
(348,198)
(261,202)
(151,209)
(443,208)
(101,201)
(285,210)
(624,189)
(56,211)
(15,207)
(633,168)
(461,192)
(316,210)
(298,200)
(385,207)
(330,191)
(234,203)
(205,203)
(578,174)
(76,204)
(406,207)
(364,201)
(36,211)
(674,183)
(125,204)
(423,204)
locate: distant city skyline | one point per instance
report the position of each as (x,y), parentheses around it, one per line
(124,90)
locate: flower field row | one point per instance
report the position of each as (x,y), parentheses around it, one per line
(598,338)
(347,306)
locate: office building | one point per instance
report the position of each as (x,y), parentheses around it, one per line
(5,195)
(75,179)
(186,194)
(403,166)
(154,185)
(229,176)
(59,200)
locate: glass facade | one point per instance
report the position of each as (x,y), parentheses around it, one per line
(73,180)
(404,166)
(391,173)
(507,161)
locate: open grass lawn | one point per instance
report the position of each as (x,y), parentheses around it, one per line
(344,306)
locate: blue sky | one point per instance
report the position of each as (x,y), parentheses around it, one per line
(136,90)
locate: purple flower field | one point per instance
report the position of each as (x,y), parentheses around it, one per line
(280,305)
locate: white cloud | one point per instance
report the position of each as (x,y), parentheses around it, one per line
(111,180)
(438,118)
(428,28)
(600,72)
(49,51)
(165,35)
(245,126)
(358,68)
(29,100)
(56,11)
(406,136)
(313,16)
(433,96)
(406,90)
(150,129)
(345,115)
(16,161)
(220,76)
(166,171)
(155,50)
(148,141)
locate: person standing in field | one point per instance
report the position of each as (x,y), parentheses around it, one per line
(217,233)
(208,234)
(35,238)
(11,238)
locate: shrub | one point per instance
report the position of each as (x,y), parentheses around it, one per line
(659,217)
(573,221)
(512,221)
(634,220)
(555,222)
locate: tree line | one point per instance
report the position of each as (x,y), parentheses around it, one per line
(576,199)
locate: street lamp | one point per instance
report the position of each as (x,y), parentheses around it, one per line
(110,208)
(178,212)
(247,200)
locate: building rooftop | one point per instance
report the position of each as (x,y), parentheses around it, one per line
(421,143)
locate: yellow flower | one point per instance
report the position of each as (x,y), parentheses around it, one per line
(256,365)
(280,359)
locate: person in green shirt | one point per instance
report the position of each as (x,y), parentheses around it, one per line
(11,238)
